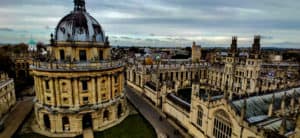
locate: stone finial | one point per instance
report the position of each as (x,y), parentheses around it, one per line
(292,103)
(283,104)
(244,109)
(282,129)
(270,112)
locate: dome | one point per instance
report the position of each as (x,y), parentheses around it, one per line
(79,26)
(31,42)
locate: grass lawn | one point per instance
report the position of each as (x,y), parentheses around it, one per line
(134,126)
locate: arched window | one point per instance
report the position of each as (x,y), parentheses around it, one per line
(120,110)
(65,123)
(47,121)
(106,115)
(222,125)
(199,116)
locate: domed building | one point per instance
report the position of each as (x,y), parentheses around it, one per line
(78,86)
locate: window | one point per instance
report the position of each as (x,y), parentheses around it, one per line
(222,125)
(85,100)
(48,99)
(106,115)
(84,85)
(199,116)
(103,97)
(65,100)
(64,87)
(82,55)
(62,54)
(47,84)
(116,78)
(66,123)
(100,54)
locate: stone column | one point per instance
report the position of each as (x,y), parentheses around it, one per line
(93,91)
(76,93)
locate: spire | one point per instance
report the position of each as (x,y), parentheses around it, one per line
(233,48)
(256,45)
(79,5)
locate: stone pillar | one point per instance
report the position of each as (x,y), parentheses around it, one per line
(93,91)
(76,93)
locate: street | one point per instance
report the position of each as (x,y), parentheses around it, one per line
(16,117)
(163,127)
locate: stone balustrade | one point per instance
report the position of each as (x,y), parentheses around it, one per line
(76,66)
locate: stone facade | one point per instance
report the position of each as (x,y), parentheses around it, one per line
(7,94)
(79,85)
(240,97)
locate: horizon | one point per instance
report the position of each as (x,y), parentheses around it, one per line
(161,23)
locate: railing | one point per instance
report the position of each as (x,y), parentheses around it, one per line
(81,66)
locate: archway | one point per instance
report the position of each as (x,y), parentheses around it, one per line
(120,110)
(87,121)
(21,74)
(66,123)
(47,121)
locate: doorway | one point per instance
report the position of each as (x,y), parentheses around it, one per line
(87,121)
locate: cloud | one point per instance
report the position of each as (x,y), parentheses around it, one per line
(167,21)
(6,30)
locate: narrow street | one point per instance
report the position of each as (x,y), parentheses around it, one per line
(163,128)
(16,117)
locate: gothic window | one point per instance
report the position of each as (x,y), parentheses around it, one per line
(222,125)
(199,116)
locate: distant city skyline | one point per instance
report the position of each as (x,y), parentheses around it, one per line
(161,22)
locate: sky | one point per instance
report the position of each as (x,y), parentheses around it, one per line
(211,23)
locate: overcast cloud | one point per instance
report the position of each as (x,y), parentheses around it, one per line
(161,22)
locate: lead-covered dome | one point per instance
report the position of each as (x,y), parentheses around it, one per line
(79,26)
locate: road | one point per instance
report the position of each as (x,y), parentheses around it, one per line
(163,128)
(16,117)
